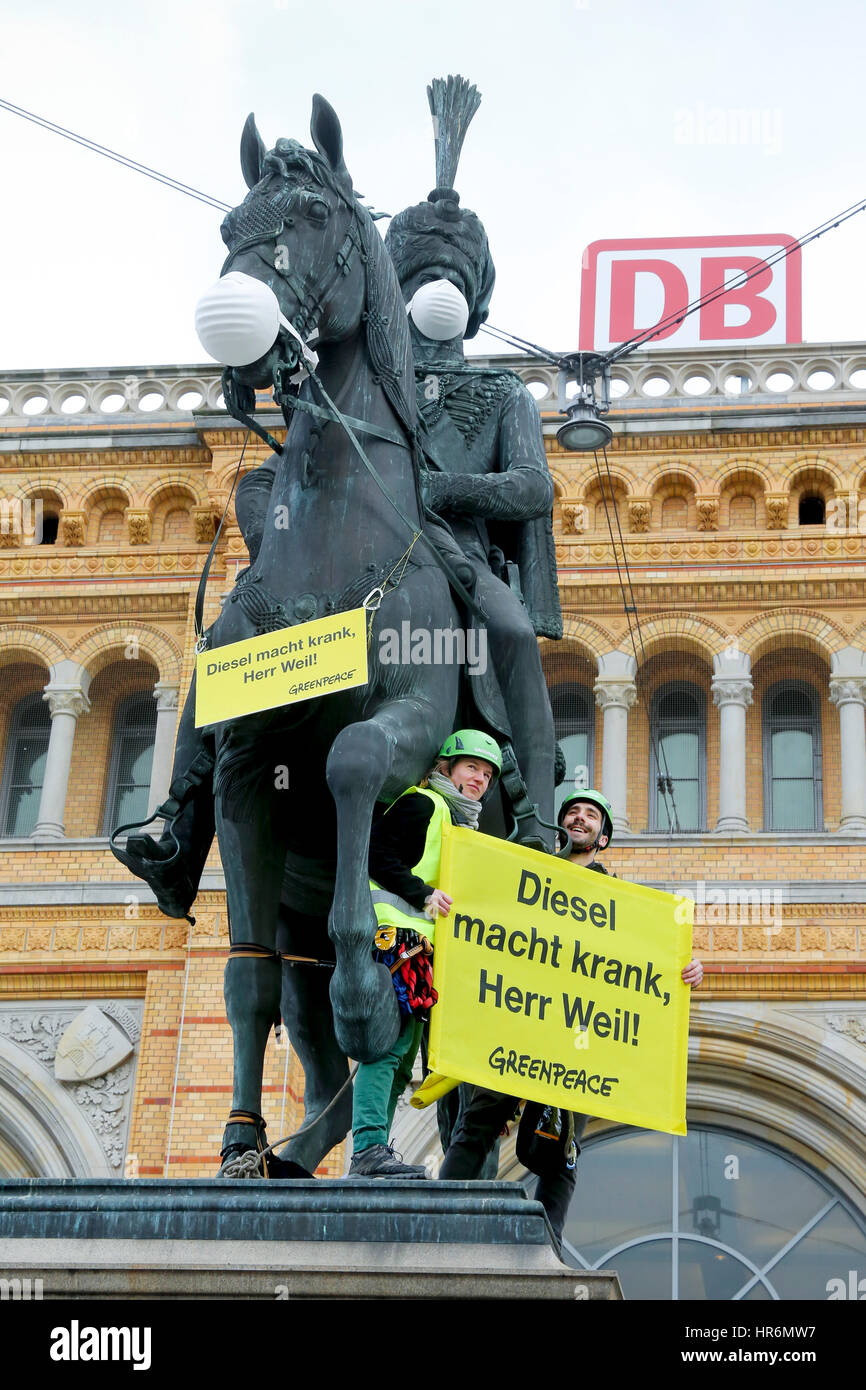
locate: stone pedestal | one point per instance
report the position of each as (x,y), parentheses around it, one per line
(218,1239)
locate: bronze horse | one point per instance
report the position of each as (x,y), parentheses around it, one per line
(295,856)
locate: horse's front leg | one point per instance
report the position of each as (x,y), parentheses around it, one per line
(366,1015)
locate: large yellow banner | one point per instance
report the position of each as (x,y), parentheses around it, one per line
(561,985)
(279,668)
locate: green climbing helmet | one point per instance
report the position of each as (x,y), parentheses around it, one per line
(595,798)
(472,743)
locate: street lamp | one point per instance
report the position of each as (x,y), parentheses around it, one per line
(584,430)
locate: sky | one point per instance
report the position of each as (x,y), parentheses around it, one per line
(599,118)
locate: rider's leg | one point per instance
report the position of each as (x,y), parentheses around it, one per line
(516,660)
(175,884)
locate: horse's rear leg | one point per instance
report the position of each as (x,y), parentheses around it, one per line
(366,1015)
(308,1018)
(253,859)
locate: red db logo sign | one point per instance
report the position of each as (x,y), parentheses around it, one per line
(628,287)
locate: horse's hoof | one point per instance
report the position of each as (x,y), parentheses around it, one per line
(240,1161)
(369,1035)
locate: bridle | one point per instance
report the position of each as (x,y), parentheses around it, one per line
(310,301)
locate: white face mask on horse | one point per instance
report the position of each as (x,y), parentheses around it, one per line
(439,311)
(238,321)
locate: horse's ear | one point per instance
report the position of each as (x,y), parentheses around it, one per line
(253,151)
(327,135)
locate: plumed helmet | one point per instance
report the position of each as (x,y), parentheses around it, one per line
(439,232)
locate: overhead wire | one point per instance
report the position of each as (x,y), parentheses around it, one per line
(632,344)
(122,159)
(664,782)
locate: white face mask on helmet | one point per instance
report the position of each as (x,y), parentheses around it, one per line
(439,311)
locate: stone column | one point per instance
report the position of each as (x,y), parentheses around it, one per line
(848,692)
(615,693)
(66,693)
(166,697)
(732,692)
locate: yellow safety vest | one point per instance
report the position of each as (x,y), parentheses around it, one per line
(394,911)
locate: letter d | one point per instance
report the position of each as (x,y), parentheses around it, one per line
(525,876)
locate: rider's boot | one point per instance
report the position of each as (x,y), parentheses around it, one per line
(172,866)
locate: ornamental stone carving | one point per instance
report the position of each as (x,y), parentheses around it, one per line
(72,527)
(92,1045)
(847,690)
(203,525)
(104,1099)
(732,690)
(851,1026)
(575,517)
(708,513)
(66,700)
(777,511)
(139,526)
(639,514)
(615,694)
(166,696)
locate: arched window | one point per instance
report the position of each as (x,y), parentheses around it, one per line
(24,770)
(131,761)
(675,513)
(792,758)
(811,510)
(742,513)
(573,707)
(50,527)
(667,1215)
(678,775)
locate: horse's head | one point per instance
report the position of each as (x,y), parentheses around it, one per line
(302,232)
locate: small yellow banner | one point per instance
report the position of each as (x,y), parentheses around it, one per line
(560,985)
(280,668)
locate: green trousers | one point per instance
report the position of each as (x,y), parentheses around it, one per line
(379,1085)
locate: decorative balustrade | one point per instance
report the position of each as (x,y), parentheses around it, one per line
(797,373)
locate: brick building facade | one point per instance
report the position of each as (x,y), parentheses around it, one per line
(728,614)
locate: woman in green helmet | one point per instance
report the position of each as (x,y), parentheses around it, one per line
(405,849)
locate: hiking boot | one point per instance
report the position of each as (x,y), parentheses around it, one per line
(380,1161)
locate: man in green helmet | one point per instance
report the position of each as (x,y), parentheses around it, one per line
(586,818)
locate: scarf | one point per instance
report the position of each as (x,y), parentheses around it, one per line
(464,811)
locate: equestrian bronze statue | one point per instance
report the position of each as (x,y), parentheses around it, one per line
(359,478)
